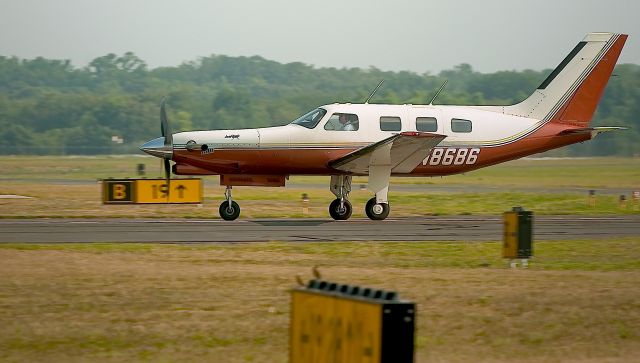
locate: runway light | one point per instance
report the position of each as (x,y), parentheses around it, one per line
(622,202)
(305,204)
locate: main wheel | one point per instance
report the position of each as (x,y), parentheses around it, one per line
(229,212)
(340,214)
(377,211)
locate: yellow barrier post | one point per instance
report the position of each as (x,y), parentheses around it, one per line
(622,202)
(592,198)
(305,204)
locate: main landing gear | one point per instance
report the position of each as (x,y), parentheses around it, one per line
(340,209)
(229,209)
(376,211)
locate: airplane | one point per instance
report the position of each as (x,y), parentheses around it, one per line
(343,140)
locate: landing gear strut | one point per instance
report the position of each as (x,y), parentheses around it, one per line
(340,209)
(229,210)
(377,208)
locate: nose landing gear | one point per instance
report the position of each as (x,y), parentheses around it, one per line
(229,209)
(340,209)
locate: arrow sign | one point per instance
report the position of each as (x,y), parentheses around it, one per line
(180,188)
(156,191)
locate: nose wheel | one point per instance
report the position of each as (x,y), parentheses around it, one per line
(340,209)
(229,209)
(229,212)
(377,211)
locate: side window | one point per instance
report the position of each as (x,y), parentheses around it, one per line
(428,124)
(460,125)
(390,123)
(342,122)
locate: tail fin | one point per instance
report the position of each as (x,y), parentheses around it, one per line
(572,91)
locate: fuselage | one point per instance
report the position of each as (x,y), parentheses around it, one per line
(342,140)
(475,137)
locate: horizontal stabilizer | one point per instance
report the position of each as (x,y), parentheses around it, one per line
(402,152)
(594,131)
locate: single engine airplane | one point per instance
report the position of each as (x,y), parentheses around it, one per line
(382,140)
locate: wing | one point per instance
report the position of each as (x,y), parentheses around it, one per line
(402,152)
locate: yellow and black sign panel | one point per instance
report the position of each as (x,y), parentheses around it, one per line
(517,241)
(150,191)
(327,328)
(117,191)
(180,191)
(510,240)
(340,323)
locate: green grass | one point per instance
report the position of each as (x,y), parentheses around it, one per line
(66,187)
(83,201)
(581,255)
(578,300)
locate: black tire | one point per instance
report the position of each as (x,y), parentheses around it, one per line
(338,214)
(229,212)
(375,211)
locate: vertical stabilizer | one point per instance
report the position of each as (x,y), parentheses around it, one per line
(570,94)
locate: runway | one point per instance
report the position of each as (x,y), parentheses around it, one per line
(457,228)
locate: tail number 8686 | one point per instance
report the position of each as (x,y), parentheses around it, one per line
(452,156)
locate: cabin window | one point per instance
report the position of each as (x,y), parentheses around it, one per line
(428,124)
(310,119)
(390,123)
(460,125)
(342,122)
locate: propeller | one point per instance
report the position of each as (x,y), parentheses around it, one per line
(164,124)
(168,142)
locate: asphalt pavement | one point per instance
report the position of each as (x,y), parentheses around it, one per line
(457,228)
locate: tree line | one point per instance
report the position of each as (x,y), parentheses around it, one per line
(48,106)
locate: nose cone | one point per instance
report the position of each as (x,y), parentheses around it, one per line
(157,148)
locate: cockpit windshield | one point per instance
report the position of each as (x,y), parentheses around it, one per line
(310,119)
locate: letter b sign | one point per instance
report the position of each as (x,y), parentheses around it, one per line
(118,191)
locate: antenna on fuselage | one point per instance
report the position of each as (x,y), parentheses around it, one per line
(374,91)
(438,92)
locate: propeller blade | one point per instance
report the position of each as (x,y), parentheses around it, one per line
(164,125)
(167,175)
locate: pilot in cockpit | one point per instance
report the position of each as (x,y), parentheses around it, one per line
(346,123)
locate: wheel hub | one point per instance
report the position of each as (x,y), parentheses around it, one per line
(377,208)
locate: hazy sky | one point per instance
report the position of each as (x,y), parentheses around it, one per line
(420,36)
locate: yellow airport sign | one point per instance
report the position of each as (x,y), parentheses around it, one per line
(118,191)
(181,191)
(151,191)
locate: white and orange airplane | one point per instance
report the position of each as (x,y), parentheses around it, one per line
(380,140)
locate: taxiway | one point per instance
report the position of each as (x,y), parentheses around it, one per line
(457,228)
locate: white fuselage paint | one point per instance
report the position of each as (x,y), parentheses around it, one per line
(488,128)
